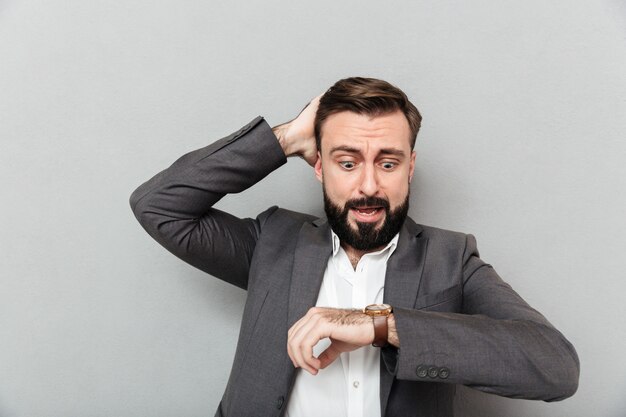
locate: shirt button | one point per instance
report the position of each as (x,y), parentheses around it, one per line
(355,384)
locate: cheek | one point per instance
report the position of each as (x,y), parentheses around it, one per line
(397,190)
(338,193)
(339,187)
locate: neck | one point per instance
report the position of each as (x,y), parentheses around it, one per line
(355,255)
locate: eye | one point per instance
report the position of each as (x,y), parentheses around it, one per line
(388,165)
(347,164)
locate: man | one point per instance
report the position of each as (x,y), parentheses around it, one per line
(315,338)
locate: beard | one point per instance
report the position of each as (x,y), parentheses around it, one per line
(367,236)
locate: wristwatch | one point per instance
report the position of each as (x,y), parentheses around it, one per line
(379,314)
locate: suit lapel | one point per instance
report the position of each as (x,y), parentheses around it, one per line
(402,283)
(404,267)
(313,249)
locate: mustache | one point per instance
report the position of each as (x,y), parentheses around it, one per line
(367,202)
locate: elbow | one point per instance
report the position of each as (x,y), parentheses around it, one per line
(564,372)
(563,390)
(554,374)
(134,201)
(139,206)
(553,382)
(558,369)
(565,384)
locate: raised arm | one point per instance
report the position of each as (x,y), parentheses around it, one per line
(176,206)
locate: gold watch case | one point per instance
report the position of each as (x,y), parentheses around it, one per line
(377,310)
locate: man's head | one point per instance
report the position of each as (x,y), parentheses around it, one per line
(365,131)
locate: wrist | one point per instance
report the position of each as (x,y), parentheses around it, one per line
(283,139)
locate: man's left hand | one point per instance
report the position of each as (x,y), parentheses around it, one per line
(348,330)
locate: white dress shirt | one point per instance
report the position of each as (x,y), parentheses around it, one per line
(350,386)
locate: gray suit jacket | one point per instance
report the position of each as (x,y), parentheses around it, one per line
(457,321)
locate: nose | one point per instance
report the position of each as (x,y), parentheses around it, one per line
(369,181)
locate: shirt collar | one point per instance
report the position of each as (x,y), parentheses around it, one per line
(391,246)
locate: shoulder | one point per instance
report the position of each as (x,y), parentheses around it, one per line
(449,250)
(435,233)
(438,233)
(279,231)
(444,240)
(277,214)
(280,220)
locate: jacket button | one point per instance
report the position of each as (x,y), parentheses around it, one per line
(444,373)
(421,371)
(433,372)
(279,402)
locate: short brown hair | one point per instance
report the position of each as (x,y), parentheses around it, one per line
(368,96)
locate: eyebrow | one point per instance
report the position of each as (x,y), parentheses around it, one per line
(384,151)
(391,151)
(345,149)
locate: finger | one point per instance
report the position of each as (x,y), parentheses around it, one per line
(310,313)
(293,346)
(294,328)
(300,362)
(290,336)
(302,341)
(291,350)
(306,350)
(329,355)
(313,104)
(308,337)
(299,352)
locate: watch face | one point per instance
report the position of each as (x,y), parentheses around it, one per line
(378,308)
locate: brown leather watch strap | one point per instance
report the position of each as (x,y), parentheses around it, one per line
(379,314)
(380,331)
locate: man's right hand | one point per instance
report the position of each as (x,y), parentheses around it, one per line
(297,137)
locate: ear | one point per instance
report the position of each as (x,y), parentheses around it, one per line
(412,166)
(318,168)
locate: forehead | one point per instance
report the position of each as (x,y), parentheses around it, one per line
(347,128)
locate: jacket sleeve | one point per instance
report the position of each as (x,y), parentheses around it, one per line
(496,344)
(175,206)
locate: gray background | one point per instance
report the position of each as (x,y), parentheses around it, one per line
(524,107)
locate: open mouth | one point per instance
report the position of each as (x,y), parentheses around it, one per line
(368,213)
